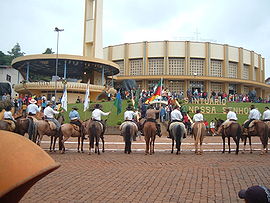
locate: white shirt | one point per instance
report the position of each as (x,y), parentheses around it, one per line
(212,125)
(8,115)
(254,114)
(231,115)
(198,117)
(266,114)
(128,115)
(32,108)
(97,113)
(176,115)
(49,112)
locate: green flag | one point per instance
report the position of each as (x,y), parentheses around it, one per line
(118,103)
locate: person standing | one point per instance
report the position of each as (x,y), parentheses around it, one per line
(212,128)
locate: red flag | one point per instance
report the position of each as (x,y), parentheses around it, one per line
(157,92)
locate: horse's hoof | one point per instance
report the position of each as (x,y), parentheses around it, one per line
(223,152)
(50,151)
(78,151)
(251,152)
(125,152)
(243,152)
(54,150)
(171,152)
(103,151)
(82,151)
(62,152)
(89,153)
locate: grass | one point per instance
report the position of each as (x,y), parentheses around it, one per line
(213,111)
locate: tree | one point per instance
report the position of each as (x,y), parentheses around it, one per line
(48,51)
(5,59)
(16,51)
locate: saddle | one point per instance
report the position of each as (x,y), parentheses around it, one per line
(11,124)
(75,127)
(51,124)
(128,122)
(101,125)
(176,123)
(228,124)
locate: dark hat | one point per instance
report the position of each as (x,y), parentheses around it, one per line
(97,106)
(255,194)
(75,107)
(150,106)
(226,109)
(252,106)
(129,108)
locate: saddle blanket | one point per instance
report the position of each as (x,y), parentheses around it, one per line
(51,124)
(11,124)
(252,123)
(128,122)
(228,123)
(177,123)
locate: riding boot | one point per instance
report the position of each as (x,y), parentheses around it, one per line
(184,136)
(168,129)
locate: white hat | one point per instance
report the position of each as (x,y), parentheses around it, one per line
(33,101)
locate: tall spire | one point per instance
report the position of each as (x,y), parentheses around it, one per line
(93,42)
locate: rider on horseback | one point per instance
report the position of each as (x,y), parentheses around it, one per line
(266,114)
(9,118)
(151,116)
(49,115)
(231,116)
(32,110)
(74,117)
(254,114)
(96,116)
(176,116)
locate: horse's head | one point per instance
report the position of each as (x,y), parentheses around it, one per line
(218,123)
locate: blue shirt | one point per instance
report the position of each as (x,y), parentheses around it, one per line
(73,115)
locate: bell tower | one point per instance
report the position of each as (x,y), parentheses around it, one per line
(93,42)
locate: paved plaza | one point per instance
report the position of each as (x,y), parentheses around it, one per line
(163,177)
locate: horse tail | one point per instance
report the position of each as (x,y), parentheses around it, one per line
(93,133)
(127,133)
(178,136)
(265,136)
(239,134)
(60,139)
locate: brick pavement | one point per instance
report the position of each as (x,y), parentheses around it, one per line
(162,177)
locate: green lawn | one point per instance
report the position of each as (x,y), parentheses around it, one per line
(209,111)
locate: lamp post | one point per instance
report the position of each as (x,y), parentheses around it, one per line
(56,29)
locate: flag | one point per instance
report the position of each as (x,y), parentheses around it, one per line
(118,103)
(157,92)
(64,99)
(86,99)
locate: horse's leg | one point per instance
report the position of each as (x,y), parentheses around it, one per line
(79,143)
(245,142)
(196,144)
(250,144)
(147,145)
(103,148)
(97,145)
(51,143)
(229,143)
(236,140)
(223,139)
(82,138)
(172,145)
(63,144)
(153,144)
(54,141)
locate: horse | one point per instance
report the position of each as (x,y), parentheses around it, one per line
(22,126)
(149,131)
(128,131)
(67,131)
(234,130)
(4,125)
(177,130)
(260,129)
(94,131)
(198,132)
(44,128)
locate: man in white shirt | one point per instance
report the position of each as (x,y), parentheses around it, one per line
(254,114)
(129,114)
(198,117)
(176,116)
(266,114)
(32,108)
(96,116)
(49,115)
(231,116)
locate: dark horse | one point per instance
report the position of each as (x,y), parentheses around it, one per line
(128,131)
(94,130)
(260,129)
(177,130)
(234,130)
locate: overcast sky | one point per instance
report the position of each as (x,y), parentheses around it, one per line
(241,23)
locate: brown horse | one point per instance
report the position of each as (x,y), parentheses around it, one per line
(4,125)
(199,132)
(149,131)
(260,129)
(67,131)
(43,128)
(94,131)
(234,130)
(128,131)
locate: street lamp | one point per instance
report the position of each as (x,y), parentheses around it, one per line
(56,29)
